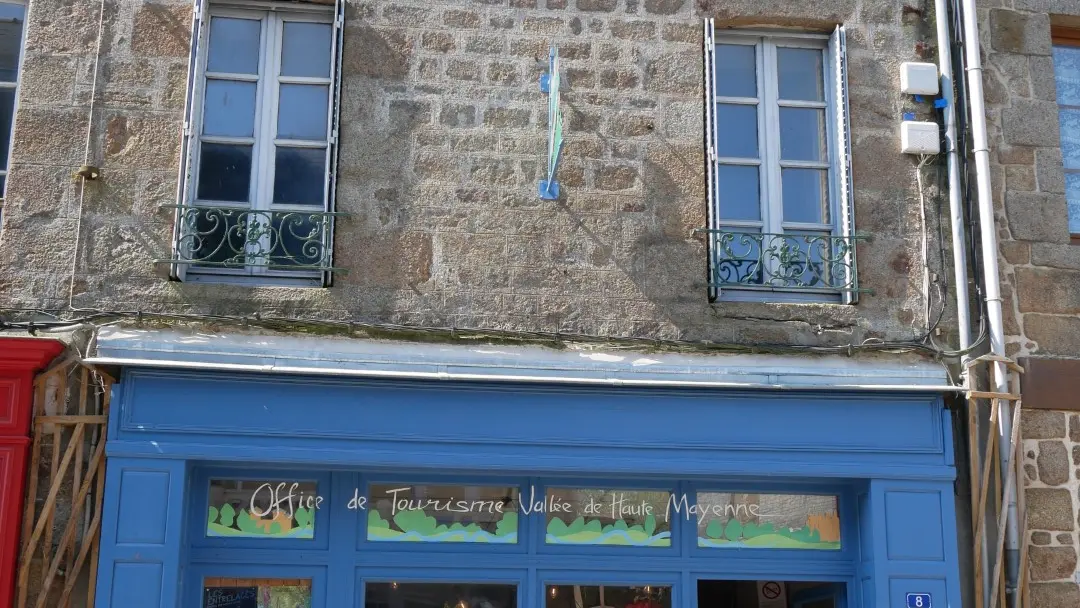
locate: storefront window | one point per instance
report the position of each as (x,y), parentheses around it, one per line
(439,595)
(767,521)
(608,517)
(256,593)
(262,509)
(608,596)
(443,513)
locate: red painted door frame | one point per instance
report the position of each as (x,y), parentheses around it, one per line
(20,359)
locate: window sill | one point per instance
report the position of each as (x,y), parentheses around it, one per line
(776,296)
(306,279)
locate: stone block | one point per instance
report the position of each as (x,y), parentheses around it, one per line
(1053,462)
(1048,170)
(1042,424)
(48,79)
(1055,255)
(1030,122)
(65,29)
(1037,216)
(378,53)
(1055,595)
(675,73)
(1052,563)
(161,30)
(1050,509)
(665,7)
(143,141)
(45,136)
(1048,290)
(1055,334)
(1018,32)
(605,6)
(461,19)
(1041,72)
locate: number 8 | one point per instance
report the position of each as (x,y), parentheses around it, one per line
(918,601)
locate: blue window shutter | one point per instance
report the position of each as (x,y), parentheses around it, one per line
(846,206)
(189,140)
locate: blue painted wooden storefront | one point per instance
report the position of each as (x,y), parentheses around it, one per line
(886,456)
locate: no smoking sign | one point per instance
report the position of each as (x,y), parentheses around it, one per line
(771,595)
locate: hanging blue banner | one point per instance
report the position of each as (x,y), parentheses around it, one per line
(550,83)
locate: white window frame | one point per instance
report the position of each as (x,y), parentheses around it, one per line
(838,162)
(5,170)
(264,141)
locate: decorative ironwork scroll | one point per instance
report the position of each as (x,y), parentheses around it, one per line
(783,261)
(236,237)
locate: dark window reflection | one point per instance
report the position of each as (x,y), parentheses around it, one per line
(7,113)
(578,596)
(439,595)
(299,176)
(224,172)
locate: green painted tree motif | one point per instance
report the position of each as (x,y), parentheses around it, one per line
(228,514)
(715,529)
(733,531)
(304,517)
(416,521)
(213,514)
(376,521)
(507,525)
(650,524)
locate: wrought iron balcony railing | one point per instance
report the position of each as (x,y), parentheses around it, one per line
(243,238)
(793,261)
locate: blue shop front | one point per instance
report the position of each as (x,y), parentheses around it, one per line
(238,483)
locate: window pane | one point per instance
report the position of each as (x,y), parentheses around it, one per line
(305,50)
(262,509)
(221,592)
(300,176)
(802,134)
(806,197)
(302,111)
(1072,196)
(767,521)
(800,74)
(737,192)
(11,24)
(736,130)
(736,70)
(608,517)
(443,514)
(605,596)
(1070,138)
(224,172)
(1067,73)
(234,45)
(229,108)
(7,113)
(439,595)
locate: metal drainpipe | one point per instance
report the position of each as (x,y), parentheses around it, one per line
(988,233)
(956,211)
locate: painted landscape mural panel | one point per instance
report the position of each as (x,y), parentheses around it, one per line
(246,509)
(579,516)
(768,521)
(443,514)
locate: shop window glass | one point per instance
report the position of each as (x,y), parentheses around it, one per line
(439,595)
(262,509)
(581,516)
(608,596)
(767,521)
(256,593)
(443,513)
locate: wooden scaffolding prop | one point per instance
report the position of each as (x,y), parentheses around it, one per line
(990,482)
(65,485)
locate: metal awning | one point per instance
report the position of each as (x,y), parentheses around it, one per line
(576,364)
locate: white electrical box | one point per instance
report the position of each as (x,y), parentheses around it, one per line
(919,78)
(919,137)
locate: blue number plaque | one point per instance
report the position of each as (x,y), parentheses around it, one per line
(918,600)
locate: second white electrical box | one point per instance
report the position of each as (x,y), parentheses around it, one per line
(919,78)
(919,137)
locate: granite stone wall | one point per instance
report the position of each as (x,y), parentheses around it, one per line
(442,145)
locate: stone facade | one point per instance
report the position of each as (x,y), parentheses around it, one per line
(1039,269)
(442,146)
